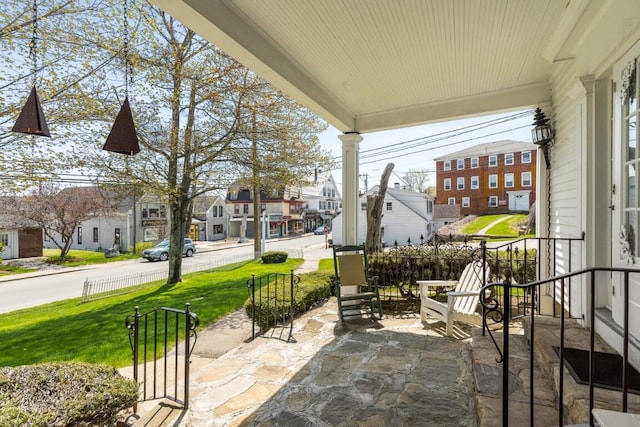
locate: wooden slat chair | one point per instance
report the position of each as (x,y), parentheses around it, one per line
(357,293)
(462,302)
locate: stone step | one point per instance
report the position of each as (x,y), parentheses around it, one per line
(575,396)
(488,378)
(164,414)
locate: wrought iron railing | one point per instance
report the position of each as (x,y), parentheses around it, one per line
(155,338)
(273,302)
(519,261)
(399,267)
(563,284)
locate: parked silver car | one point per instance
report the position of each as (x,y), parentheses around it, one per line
(161,250)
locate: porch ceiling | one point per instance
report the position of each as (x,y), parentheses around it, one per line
(368,65)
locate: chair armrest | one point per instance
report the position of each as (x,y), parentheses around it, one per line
(455,294)
(372,283)
(436,283)
(428,286)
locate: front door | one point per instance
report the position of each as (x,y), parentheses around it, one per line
(9,244)
(518,201)
(626,184)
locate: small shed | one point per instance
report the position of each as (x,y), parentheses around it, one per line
(19,241)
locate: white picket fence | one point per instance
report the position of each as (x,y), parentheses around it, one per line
(99,289)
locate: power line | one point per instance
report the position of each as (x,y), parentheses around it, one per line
(401,146)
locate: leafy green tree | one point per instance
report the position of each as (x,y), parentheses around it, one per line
(59,211)
(70,65)
(190,104)
(278,146)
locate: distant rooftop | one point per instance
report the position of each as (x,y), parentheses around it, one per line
(495,147)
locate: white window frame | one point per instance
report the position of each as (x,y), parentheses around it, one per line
(451,201)
(460,164)
(447,184)
(446,165)
(389,206)
(626,118)
(509,159)
(475,182)
(508,180)
(153,210)
(460,183)
(466,202)
(493,202)
(493,161)
(524,181)
(525,157)
(493,184)
(475,163)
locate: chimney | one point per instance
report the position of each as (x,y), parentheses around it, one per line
(396,185)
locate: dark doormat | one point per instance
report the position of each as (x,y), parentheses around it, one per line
(608,369)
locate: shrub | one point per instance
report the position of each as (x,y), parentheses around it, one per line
(274,257)
(78,394)
(141,246)
(312,288)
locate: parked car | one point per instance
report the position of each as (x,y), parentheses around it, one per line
(161,250)
(320,230)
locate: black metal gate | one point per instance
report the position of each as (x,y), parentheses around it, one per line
(273,302)
(162,341)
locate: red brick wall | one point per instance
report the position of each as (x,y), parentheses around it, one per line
(479,198)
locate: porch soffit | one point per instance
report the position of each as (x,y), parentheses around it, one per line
(369,65)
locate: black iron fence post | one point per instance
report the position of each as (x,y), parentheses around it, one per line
(483,250)
(505,353)
(132,323)
(187,352)
(251,284)
(292,309)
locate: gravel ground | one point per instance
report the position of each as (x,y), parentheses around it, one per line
(456,227)
(35,263)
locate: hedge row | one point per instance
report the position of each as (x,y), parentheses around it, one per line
(63,394)
(312,288)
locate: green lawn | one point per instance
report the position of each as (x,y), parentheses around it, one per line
(481,222)
(76,257)
(508,227)
(95,331)
(73,259)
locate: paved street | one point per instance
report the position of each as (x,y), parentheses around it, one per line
(43,287)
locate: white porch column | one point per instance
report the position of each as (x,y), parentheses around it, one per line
(350,174)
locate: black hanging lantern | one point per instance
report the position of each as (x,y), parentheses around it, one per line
(542,134)
(123,137)
(31,120)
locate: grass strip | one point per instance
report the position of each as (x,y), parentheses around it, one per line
(95,332)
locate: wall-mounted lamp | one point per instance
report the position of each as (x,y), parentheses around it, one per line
(542,134)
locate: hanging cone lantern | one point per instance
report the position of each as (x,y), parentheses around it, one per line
(31,119)
(123,137)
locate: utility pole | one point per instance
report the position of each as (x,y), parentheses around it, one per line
(365,180)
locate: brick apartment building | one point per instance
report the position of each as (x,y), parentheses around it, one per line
(494,177)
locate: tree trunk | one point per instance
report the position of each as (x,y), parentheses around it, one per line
(374,212)
(177,241)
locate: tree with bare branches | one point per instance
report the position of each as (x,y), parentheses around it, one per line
(59,212)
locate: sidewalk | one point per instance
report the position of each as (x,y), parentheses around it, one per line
(391,372)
